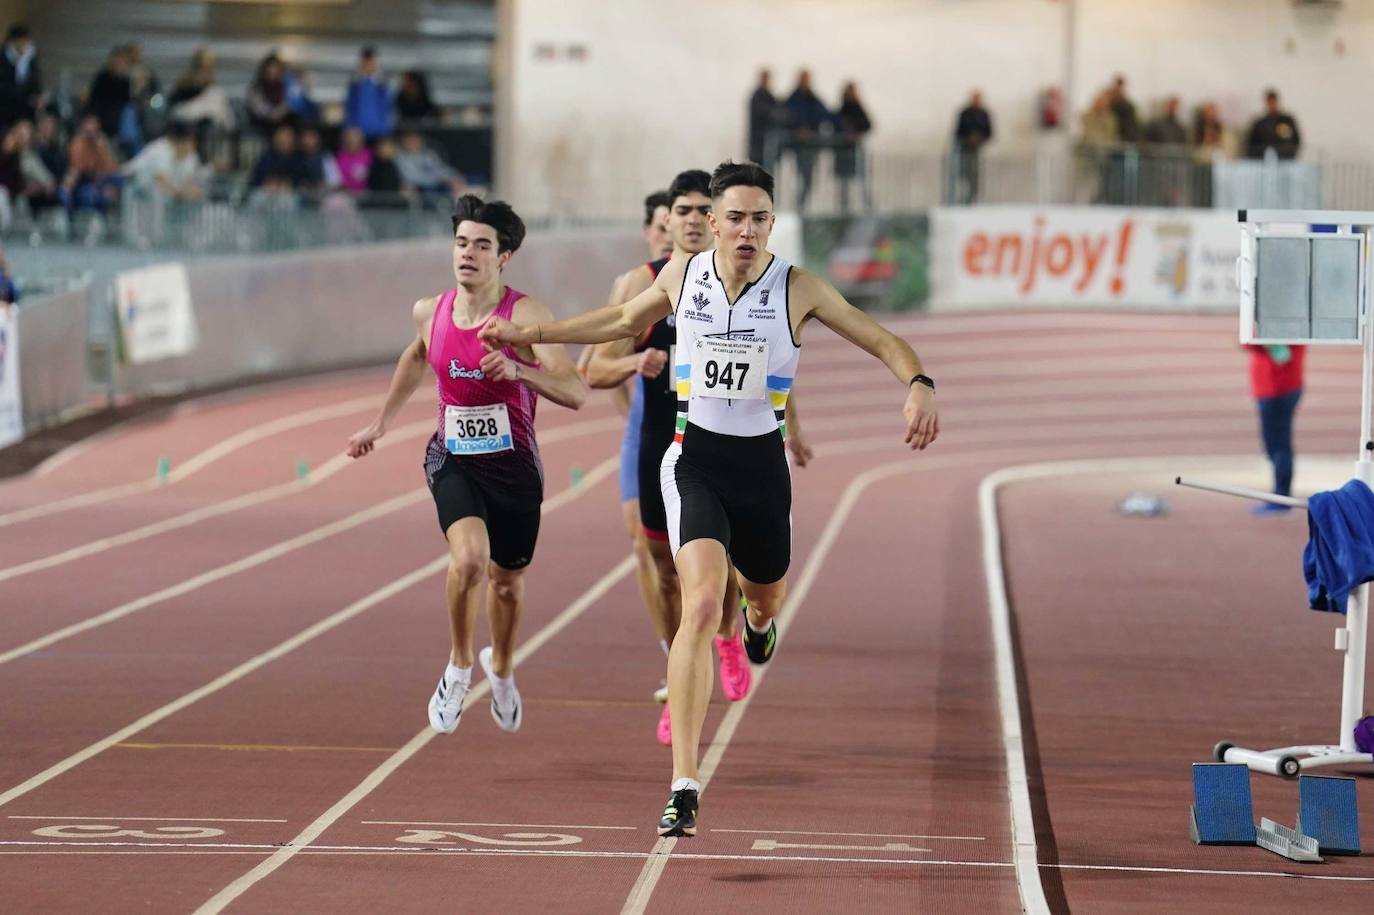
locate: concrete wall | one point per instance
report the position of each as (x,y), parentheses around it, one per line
(604,101)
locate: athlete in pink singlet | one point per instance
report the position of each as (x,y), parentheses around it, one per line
(482,463)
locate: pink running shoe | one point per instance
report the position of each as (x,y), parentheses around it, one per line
(735,675)
(665,728)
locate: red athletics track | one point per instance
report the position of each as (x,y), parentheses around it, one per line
(217,687)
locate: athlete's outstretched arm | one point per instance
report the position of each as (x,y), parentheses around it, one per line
(410,371)
(822,302)
(796,442)
(599,326)
(611,364)
(556,378)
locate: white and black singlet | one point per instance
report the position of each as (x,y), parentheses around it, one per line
(725,477)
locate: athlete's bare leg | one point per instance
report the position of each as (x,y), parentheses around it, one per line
(669,594)
(469,553)
(703,569)
(645,569)
(765,601)
(505,606)
(729,609)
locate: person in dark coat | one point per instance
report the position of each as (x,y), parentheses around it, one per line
(21,82)
(854,124)
(1275,129)
(971,131)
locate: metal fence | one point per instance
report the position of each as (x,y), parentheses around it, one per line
(888,183)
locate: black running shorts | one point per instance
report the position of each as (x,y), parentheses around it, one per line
(736,490)
(512,524)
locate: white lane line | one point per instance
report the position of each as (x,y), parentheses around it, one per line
(316,477)
(199,461)
(861,835)
(208,850)
(219,573)
(308,835)
(601,471)
(147,819)
(262,556)
(206,512)
(495,825)
(1024,850)
(638,899)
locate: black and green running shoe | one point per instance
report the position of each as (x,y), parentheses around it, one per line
(680,816)
(759,646)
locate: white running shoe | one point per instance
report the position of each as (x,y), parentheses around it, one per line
(506,708)
(446,705)
(661,694)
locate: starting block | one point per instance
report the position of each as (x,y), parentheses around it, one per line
(1221,813)
(1290,843)
(1327,811)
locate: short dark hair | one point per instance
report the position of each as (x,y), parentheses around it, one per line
(178,130)
(743,174)
(368,52)
(17,31)
(692,181)
(1271,93)
(653,202)
(510,228)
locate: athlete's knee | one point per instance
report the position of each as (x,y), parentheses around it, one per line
(700,614)
(466,565)
(765,601)
(506,585)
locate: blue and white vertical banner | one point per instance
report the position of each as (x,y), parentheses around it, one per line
(11,405)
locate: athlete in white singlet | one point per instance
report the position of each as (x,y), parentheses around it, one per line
(739,312)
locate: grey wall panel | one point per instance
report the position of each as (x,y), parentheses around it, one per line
(52,356)
(313,310)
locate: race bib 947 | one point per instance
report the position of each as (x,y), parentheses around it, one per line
(477,430)
(731,369)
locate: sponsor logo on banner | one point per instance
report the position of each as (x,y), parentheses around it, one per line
(11,405)
(1048,256)
(155,316)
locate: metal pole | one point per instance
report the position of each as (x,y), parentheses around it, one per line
(1357,605)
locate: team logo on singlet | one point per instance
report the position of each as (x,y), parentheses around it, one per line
(761,310)
(456,370)
(704,279)
(700,300)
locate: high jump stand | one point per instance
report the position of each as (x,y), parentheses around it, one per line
(1281,256)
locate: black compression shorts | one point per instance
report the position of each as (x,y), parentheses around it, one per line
(512,525)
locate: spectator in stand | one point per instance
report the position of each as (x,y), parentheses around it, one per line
(92,179)
(197,99)
(1275,129)
(807,116)
(281,160)
(47,142)
(972,131)
(21,82)
(384,177)
(422,169)
(303,107)
(1123,109)
(110,92)
(1167,130)
(143,82)
(267,107)
(854,124)
(368,105)
(1213,140)
(9,289)
(34,181)
(1098,141)
(765,116)
(169,166)
(354,159)
(413,102)
(321,171)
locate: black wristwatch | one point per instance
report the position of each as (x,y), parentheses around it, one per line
(922,379)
